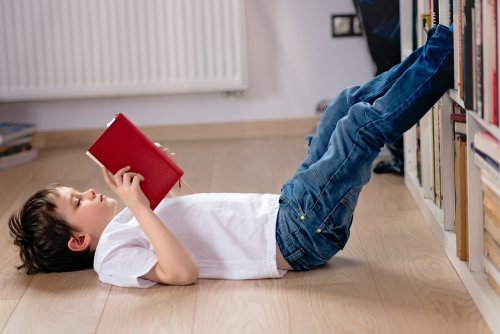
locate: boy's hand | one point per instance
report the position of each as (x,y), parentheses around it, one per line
(181,188)
(125,185)
(167,152)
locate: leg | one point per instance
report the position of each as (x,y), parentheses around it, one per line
(316,206)
(338,107)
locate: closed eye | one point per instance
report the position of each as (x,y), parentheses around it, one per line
(78,202)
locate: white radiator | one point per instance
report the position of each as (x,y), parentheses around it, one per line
(52,49)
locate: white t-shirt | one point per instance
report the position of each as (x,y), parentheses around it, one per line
(229,236)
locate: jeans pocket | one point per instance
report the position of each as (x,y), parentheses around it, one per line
(336,227)
(308,256)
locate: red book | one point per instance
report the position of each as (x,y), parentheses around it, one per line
(123,144)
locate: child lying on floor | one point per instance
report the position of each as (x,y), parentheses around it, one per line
(238,236)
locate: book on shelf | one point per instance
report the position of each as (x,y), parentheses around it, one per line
(490,60)
(491,249)
(492,275)
(460,128)
(427,155)
(10,131)
(459,123)
(418,153)
(18,158)
(467,55)
(424,20)
(491,206)
(487,143)
(123,144)
(437,120)
(457,45)
(473,72)
(478,58)
(486,163)
(490,185)
(435,12)
(491,237)
(461,202)
(425,134)
(491,210)
(491,219)
(458,118)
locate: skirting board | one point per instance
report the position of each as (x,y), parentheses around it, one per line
(285,127)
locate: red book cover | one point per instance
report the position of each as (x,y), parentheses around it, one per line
(123,144)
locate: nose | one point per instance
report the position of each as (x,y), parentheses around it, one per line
(91,193)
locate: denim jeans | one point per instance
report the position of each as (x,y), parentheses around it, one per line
(317,204)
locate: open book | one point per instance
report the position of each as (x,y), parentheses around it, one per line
(123,144)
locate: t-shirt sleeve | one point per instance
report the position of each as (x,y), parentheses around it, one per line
(125,265)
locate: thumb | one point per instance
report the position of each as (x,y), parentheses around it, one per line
(107,178)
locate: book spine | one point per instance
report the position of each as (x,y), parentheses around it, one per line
(479,57)
(94,158)
(488,144)
(492,275)
(9,150)
(467,64)
(18,158)
(487,167)
(490,77)
(436,111)
(491,249)
(461,204)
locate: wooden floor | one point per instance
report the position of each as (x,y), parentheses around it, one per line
(392,277)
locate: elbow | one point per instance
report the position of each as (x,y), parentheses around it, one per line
(188,276)
(185,276)
(192,278)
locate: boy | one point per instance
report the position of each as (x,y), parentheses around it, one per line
(238,236)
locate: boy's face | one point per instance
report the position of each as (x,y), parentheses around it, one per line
(87,212)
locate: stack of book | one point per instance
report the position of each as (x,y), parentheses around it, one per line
(491,210)
(15,144)
(487,154)
(487,157)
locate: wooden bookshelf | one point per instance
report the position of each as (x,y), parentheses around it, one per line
(441,220)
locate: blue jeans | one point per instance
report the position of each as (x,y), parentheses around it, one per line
(317,204)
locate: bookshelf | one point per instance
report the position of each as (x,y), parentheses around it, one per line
(442,218)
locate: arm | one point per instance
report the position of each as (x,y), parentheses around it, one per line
(175,265)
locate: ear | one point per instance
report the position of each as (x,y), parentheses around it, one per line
(79,243)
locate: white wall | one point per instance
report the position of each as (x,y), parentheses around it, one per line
(292,61)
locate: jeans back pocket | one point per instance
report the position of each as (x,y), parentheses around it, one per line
(336,227)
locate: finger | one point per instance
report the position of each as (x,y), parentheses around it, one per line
(137,179)
(169,154)
(108,177)
(126,178)
(173,156)
(119,175)
(123,170)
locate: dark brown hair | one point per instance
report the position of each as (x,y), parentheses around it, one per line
(42,236)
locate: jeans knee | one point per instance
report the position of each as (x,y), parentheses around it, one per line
(348,93)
